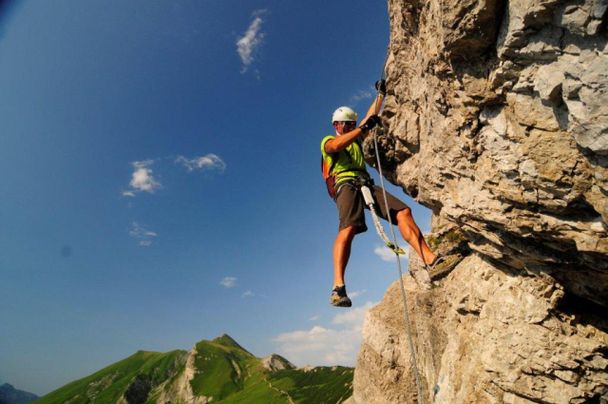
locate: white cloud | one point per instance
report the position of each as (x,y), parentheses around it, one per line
(353,317)
(207,162)
(386,254)
(356,293)
(314,318)
(321,346)
(248,294)
(361,95)
(228,282)
(142,179)
(145,236)
(249,43)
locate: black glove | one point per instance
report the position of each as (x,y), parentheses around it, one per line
(370,123)
(381,86)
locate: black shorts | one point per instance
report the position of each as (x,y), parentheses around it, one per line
(350,204)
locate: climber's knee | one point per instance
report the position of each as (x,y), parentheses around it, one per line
(404,214)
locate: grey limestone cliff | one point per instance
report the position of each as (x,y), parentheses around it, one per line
(496,118)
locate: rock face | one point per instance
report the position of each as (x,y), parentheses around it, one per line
(179,389)
(483,335)
(497,119)
(276,362)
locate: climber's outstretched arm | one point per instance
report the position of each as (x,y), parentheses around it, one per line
(376,106)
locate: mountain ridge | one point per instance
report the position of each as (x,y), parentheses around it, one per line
(10,395)
(218,370)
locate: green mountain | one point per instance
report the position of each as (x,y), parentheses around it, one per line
(218,371)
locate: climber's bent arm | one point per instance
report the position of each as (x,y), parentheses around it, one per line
(343,141)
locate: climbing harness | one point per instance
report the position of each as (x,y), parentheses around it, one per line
(371,204)
(396,249)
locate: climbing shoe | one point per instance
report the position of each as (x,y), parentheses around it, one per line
(439,259)
(443,265)
(339,298)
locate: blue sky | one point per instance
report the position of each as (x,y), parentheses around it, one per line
(161,180)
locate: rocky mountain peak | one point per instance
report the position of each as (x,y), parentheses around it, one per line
(276,362)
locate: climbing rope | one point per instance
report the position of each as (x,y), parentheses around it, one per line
(398,251)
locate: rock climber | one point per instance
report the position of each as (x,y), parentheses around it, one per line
(344,155)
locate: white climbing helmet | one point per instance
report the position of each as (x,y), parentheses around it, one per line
(344,114)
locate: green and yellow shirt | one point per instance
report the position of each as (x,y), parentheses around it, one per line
(350,162)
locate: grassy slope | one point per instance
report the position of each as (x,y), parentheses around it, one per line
(319,385)
(228,373)
(110,383)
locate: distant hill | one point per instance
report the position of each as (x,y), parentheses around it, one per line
(219,370)
(10,395)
